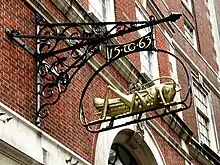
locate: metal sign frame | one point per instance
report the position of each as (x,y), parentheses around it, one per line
(171,108)
(83,41)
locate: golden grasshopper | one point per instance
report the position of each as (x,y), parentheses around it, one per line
(146,98)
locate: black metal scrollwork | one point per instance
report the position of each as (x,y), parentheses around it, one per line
(57,71)
(56,68)
(62,49)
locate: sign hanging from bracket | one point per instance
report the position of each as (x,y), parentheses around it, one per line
(62,49)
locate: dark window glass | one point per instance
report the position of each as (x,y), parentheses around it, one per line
(119,155)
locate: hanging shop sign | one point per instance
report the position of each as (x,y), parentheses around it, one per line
(63,49)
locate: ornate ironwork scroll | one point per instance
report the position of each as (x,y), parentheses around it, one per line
(62,49)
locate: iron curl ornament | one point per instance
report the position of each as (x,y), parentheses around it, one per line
(62,49)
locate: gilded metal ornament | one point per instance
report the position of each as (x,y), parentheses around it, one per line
(155,96)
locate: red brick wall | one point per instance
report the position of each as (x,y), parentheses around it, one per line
(163,59)
(17,69)
(205,33)
(18,83)
(170,155)
(79,140)
(123,14)
(17,75)
(205,46)
(205,42)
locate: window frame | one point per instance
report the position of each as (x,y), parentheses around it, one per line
(203,120)
(204,135)
(188,4)
(190,33)
(106,9)
(143,3)
(146,56)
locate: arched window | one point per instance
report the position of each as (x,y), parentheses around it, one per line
(119,155)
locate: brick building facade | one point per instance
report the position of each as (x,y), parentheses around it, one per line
(189,137)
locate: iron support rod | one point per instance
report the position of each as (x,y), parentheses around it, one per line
(53,37)
(21,43)
(144,24)
(38,77)
(172,17)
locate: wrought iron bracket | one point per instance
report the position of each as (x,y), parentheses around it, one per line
(62,49)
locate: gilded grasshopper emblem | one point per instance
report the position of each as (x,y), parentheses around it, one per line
(145,98)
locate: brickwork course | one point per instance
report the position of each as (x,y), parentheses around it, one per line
(177,135)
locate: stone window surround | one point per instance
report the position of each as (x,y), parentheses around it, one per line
(199,80)
(201,115)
